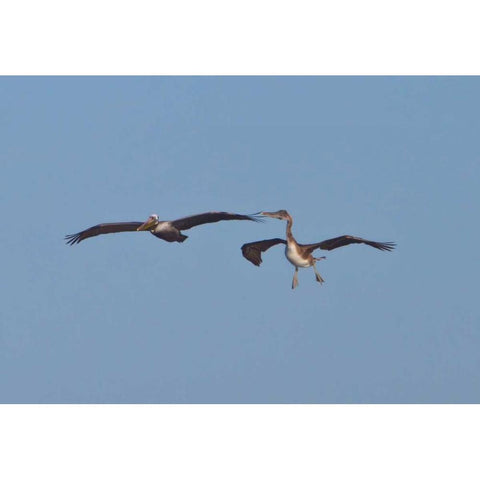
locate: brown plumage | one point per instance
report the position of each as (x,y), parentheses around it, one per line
(300,255)
(169,231)
(253,251)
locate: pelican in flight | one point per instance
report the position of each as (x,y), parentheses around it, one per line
(170,231)
(301,255)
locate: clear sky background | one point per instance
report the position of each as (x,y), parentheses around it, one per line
(128,318)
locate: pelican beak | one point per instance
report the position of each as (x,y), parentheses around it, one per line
(280,215)
(150,223)
(267,214)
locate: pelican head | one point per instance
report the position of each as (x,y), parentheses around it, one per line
(151,222)
(280,214)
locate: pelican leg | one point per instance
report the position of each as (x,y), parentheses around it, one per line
(318,277)
(295,278)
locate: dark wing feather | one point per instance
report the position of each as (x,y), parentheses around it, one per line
(209,217)
(253,251)
(343,240)
(101,229)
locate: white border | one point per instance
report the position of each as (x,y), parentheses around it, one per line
(238,442)
(248,37)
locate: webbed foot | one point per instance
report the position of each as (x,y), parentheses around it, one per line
(295,279)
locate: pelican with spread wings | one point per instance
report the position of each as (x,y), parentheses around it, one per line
(301,255)
(170,231)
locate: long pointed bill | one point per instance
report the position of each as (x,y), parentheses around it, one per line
(268,214)
(150,223)
(280,214)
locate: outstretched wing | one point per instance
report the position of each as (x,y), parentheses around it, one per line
(253,251)
(209,217)
(343,240)
(101,229)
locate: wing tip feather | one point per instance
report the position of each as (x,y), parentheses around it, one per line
(251,254)
(73,239)
(387,246)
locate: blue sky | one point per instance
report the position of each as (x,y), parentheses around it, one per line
(128,318)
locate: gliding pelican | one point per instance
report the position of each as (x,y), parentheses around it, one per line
(170,231)
(301,255)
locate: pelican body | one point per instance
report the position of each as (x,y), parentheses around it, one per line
(170,231)
(301,256)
